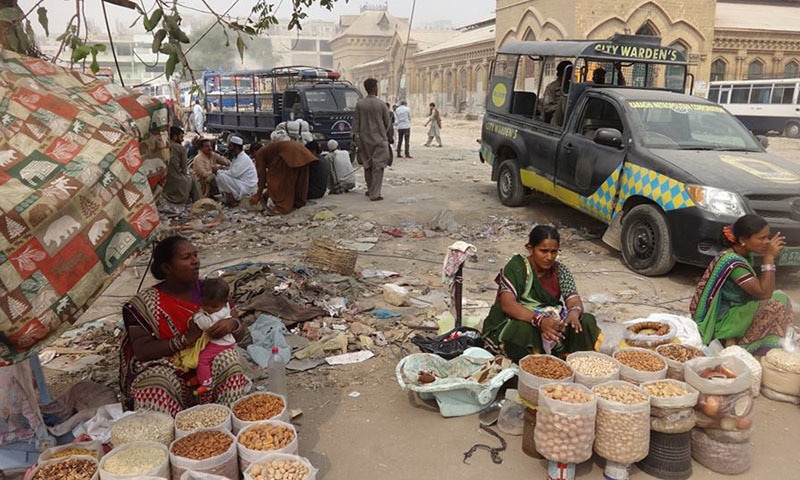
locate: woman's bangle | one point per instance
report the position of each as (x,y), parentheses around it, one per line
(768,267)
(576,307)
(536,319)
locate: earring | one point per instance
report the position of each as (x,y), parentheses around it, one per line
(742,244)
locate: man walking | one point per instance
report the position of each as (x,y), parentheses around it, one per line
(435,122)
(198,117)
(372,125)
(403,126)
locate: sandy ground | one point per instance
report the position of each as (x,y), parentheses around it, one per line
(356,422)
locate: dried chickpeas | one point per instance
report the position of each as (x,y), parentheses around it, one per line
(208,416)
(545,367)
(620,394)
(69,469)
(640,360)
(665,389)
(137,459)
(567,393)
(258,407)
(266,437)
(592,365)
(279,470)
(201,445)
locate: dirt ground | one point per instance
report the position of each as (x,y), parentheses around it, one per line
(356,422)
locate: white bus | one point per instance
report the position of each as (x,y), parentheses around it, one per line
(761,105)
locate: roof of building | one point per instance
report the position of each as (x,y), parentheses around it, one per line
(747,16)
(469,37)
(426,38)
(371,63)
(371,23)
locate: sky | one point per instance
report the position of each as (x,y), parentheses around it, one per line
(426,11)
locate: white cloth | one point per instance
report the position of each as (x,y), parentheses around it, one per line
(240,179)
(198,115)
(206,320)
(343,168)
(402,117)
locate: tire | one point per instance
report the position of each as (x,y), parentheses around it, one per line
(792,130)
(646,241)
(509,185)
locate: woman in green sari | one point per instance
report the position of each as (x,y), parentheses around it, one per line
(537,308)
(735,305)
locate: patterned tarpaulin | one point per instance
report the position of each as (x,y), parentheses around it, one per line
(79,157)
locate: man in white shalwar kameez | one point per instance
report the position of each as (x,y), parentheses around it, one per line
(241,179)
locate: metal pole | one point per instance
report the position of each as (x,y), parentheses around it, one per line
(405,51)
(459,285)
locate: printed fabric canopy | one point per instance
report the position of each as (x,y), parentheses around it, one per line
(80,161)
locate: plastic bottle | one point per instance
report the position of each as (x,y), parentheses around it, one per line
(276,371)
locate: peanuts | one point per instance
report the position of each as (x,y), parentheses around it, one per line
(73,451)
(545,367)
(208,416)
(620,394)
(665,389)
(679,353)
(258,407)
(640,360)
(69,469)
(279,470)
(622,437)
(201,445)
(566,393)
(592,366)
(266,437)
(565,431)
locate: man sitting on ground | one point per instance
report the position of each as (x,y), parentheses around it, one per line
(206,164)
(240,180)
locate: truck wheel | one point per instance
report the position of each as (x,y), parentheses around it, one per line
(646,242)
(509,185)
(792,130)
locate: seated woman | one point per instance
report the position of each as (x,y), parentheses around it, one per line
(735,305)
(520,322)
(157,326)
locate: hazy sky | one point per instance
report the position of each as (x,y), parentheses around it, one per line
(427,11)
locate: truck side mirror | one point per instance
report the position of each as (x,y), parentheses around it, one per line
(610,137)
(764,140)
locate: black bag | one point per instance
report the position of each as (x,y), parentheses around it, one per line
(451,344)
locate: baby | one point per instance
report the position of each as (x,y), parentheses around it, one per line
(214,293)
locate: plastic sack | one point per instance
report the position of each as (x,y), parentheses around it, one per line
(565,431)
(779,397)
(95,447)
(189,475)
(249,474)
(268,332)
(784,360)
(39,474)
(750,361)
(529,383)
(161,470)
(726,436)
(456,390)
(622,431)
(450,344)
(718,386)
(779,381)
(672,420)
(725,458)
(248,455)
(143,426)
(636,376)
(225,464)
(647,333)
(511,419)
(587,379)
(225,425)
(238,424)
(671,352)
(724,403)
(689,400)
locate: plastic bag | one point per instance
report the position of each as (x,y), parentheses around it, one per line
(42,465)
(647,333)
(634,375)
(785,360)
(225,425)
(451,344)
(589,380)
(161,470)
(268,332)
(143,425)
(281,457)
(725,436)
(512,414)
(622,432)
(780,381)
(189,475)
(728,412)
(779,397)
(565,431)
(718,386)
(225,464)
(672,420)
(237,424)
(529,383)
(671,352)
(248,455)
(725,458)
(95,447)
(750,361)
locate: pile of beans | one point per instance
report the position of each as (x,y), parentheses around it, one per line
(622,432)
(279,470)
(206,417)
(258,407)
(679,353)
(201,445)
(783,360)
(73,451)
(143,426)
(620,394)
(592,365)
(545,367)
(665,389)
(266,437)
(640,360)
(69,469)
(137,459)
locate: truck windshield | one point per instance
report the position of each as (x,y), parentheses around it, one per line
(347,99)
(320,101)
(689,126)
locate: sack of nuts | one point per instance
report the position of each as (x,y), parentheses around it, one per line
(267,436)
(622,431)
(565,422)
(210,415)
(639,365)
(258,407)
(206,451)
(538,370)
(76,467)
(281,466)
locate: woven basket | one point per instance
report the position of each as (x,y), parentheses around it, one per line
(325,254)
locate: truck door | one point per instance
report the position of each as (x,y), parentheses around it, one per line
(582,165)
(292,105)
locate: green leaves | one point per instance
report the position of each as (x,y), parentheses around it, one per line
(41,13)
(158,38)
(240,46)
(153,21)
(172,61)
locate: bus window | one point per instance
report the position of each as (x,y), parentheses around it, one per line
(713,94)
(783,94)
(760,93)
(740,94)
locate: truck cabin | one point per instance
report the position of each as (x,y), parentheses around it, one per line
(531,73)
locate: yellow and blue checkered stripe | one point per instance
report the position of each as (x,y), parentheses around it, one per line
(487,153)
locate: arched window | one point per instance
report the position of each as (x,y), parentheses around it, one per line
(791,70)
(647,29)
(718,70)
(675,73)
(755,70)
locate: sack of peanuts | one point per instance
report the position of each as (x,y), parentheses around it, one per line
(205,451)
(639,365)
(671,405)
(77,467)
(211,415)
(258,407)
(593,368)
(538,370)
(281,466)
(135,460)
(565,422)
(676,355)
(622,429)
(92,449)
(253,441)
